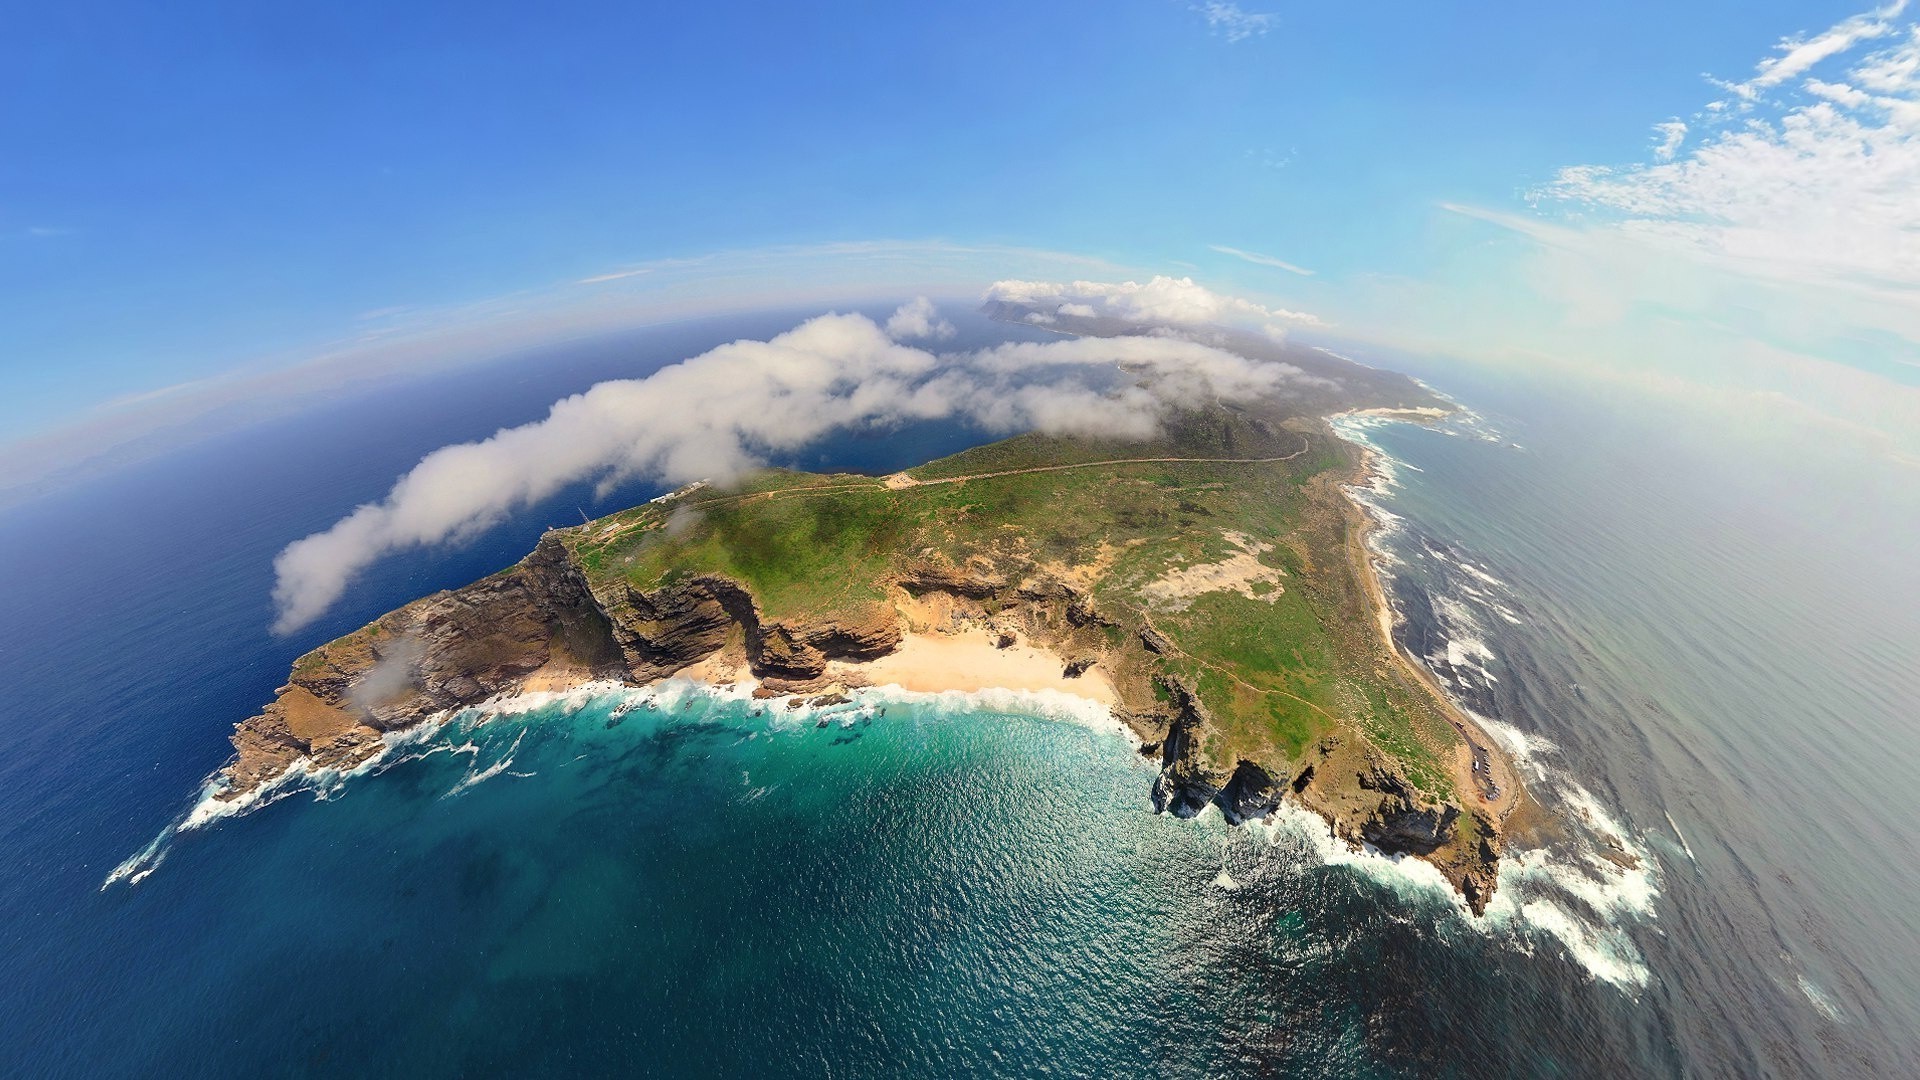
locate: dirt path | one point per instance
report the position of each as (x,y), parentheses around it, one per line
(1224,673)
(900,480)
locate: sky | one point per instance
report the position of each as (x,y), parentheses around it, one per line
(208,203)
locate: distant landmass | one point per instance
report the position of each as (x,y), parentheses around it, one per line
(1211,586)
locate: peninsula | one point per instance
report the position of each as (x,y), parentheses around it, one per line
(1211,586)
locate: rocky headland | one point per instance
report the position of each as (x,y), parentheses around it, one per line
(1361,739)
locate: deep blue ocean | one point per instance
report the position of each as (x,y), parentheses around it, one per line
(1699,639)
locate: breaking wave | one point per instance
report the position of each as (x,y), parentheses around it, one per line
(475,731)
(1589,886)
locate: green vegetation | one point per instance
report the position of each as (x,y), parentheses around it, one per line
(1279,663)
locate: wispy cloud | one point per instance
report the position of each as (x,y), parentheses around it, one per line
(1798,55)
(1161,301)
(614,276)
(1820,189)
(1672,134)
(1231,22)
(1261,260)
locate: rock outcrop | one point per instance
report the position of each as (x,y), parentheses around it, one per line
(442,652)
(536,624)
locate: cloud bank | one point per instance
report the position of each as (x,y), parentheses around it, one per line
(726,411)
(1162,301)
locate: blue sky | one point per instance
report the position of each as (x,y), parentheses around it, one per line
(191,190)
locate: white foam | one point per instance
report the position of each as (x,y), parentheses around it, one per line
(1479,573)
(1820,999)
(1605,953)
(668,696)
(1522,748)
(1598,897)
(1684,846)
(1580,898)
(1404,875)
(481,776)
(1045,704)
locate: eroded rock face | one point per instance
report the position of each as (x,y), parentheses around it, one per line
(461,647)
(446,651)
(800,652)
(1186,784)
(663,631)
(1400,824)
(1251,793)
(1361,795)
(975,583)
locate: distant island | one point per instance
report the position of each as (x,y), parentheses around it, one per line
(1211,586)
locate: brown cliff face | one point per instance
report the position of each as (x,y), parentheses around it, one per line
(536,623)
(445,651)
(1361,795)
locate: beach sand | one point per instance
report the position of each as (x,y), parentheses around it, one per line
(969,660)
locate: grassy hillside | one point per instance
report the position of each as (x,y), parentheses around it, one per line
(1242,569)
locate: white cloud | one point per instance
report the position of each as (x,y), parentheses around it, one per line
(1163,301)
(1672,134)
(433,338)
(1261,260)
(1822,189)
(727,410)
(917,319)
(1799,55)
(1234,24)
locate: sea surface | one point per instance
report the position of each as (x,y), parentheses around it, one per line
(1698,640)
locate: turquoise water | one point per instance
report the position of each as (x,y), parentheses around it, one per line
(706,885)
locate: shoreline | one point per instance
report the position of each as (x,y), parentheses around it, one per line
(1020,679)
(1363,523)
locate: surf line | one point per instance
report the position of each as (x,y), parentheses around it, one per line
(1684,846)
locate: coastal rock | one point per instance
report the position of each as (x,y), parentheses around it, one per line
(662,631)
(1400,824)
(800,651)
(973,583)
(446,651)
(1186,784)
(1250,794)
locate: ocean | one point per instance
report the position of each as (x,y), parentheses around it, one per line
(1698,640)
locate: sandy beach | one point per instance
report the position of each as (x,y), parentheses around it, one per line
(970,661)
